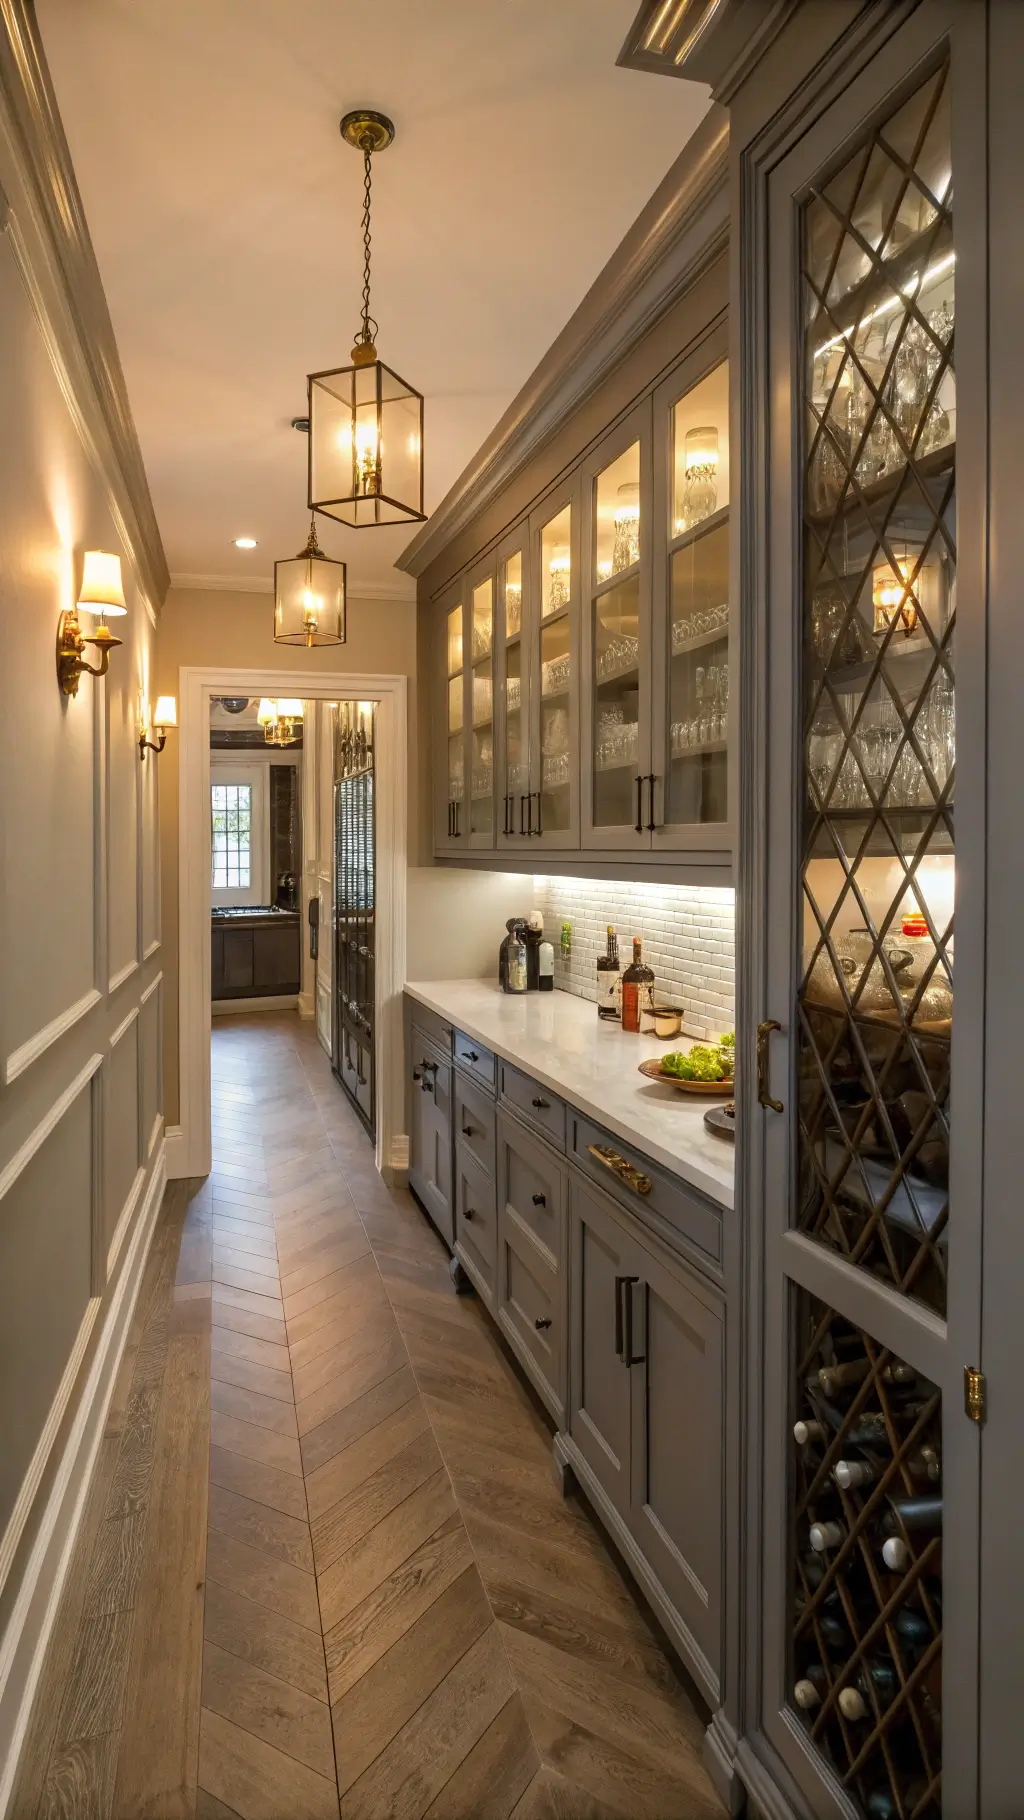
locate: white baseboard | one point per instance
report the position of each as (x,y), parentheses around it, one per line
(230,1007)
(23,1647)
(174,1153)
(307,1009)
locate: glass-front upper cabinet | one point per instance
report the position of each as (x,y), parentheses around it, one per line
(691,716)
(449,820)
(512,683)
(616,757)
(480,710)
(552,805)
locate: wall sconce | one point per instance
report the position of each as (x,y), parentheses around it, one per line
(165,716)
(101,594)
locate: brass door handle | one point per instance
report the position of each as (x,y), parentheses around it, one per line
(620,1166)
(764,1097)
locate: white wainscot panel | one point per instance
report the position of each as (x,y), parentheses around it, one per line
(122,829)
(46,1301)
(149,856)
(123,1148)
(151,1066)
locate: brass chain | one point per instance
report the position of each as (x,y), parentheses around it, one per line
(368,332)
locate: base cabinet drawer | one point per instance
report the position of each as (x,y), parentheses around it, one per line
(669,1206)
(474,1121)
(534,1103)
(481,1063)
(476,1223)
(530,1312)
(646,1407)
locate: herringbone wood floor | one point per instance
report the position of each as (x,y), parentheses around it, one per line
(375,1595)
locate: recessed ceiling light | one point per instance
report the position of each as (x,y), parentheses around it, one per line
(245,543)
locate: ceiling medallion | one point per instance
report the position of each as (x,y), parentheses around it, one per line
(365,423)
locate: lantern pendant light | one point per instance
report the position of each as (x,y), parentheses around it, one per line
(310,597)
(365,423)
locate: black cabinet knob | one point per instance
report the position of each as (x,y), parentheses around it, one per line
(416,1075)
(541,1322)
(467,1213)
(541,1105)
(471,1056)
(467,1130)
(540,1200)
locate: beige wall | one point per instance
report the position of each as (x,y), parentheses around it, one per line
(204,628)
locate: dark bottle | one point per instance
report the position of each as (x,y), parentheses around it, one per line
(881,1803)
(913,1627)
(924,1513)
(503,954)
(808,1691)
(609,979)
(875,1687)
(637,989)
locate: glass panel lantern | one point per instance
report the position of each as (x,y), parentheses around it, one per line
(365,446)
(309,598)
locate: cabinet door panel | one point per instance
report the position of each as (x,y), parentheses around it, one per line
(676,1511)
(430,1155)
(599,1382)
(530,1311)
(275,959)
(476,1240)
(448,631)
(552,808)
(237,959)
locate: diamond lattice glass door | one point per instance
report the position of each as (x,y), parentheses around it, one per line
(876,994)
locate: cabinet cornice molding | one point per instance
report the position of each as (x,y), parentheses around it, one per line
(682,230)
(41,211)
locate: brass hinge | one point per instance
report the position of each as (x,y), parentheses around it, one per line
(974,1393)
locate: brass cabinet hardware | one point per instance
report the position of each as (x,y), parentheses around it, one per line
(764,1097)
(975,1393)
(620,1166)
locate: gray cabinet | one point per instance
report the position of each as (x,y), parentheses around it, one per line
(430,1134)
(531,1295)
(646,1416)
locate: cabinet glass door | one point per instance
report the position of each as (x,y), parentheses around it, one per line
(552,811)
(516,781)
(692,685)
(480,707)
(455,718)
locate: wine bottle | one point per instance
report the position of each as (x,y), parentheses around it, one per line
(896,1554)
(637,989)
(913,1514)
(925,1464)
(849,1475)
(854,1371)
(913,1627)
(834,1631)
(609,979)
(808,1690)
(854,1702)
(808,1431)
(881,1803)
(826,1535)
(517,960)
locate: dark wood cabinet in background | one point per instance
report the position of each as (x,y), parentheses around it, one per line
(257,957)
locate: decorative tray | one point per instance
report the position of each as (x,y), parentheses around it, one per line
(723,1090)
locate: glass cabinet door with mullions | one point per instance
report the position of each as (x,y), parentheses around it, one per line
(451,821)
(872,1452)
(617,639)
(551,804)
(512,634)
(691,684)
(479,666)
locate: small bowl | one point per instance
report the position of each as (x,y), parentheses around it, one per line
(667,1021)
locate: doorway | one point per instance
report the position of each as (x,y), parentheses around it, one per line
(189,1149)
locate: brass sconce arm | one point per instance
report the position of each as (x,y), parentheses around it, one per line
(71,642)
(150,745)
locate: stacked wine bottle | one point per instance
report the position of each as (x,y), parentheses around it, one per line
(867,1608)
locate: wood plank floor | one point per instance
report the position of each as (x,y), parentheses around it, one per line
(325,1569)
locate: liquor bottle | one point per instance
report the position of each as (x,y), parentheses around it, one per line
(637,989)
(609,980)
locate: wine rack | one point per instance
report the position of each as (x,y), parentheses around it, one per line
(867,1566)
(875,1004)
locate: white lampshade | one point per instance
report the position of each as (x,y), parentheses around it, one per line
(165,714)
(266,713)
(289,709)
(101,591)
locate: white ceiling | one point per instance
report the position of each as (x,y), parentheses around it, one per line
(225,212)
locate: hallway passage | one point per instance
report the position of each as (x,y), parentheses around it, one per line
(324,1557)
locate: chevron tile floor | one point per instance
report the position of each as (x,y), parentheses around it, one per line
(351,1585)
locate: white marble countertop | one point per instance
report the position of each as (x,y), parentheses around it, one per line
(561,1042)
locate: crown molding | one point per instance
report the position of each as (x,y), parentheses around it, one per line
(681,231)
(45,224)
(713,41)
(386,590)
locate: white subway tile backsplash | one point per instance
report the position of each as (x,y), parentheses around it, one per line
(687,933)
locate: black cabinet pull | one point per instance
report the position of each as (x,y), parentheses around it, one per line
(506,816)
(467,1213)
(541,1322)
(618,1315)
(541,1105)
(626,1353)
(522,815)
(651,779)
(458,831)
(540,1200)
(639,805)
(471,1056)
(529,812)
(467,1130)
(539,829)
